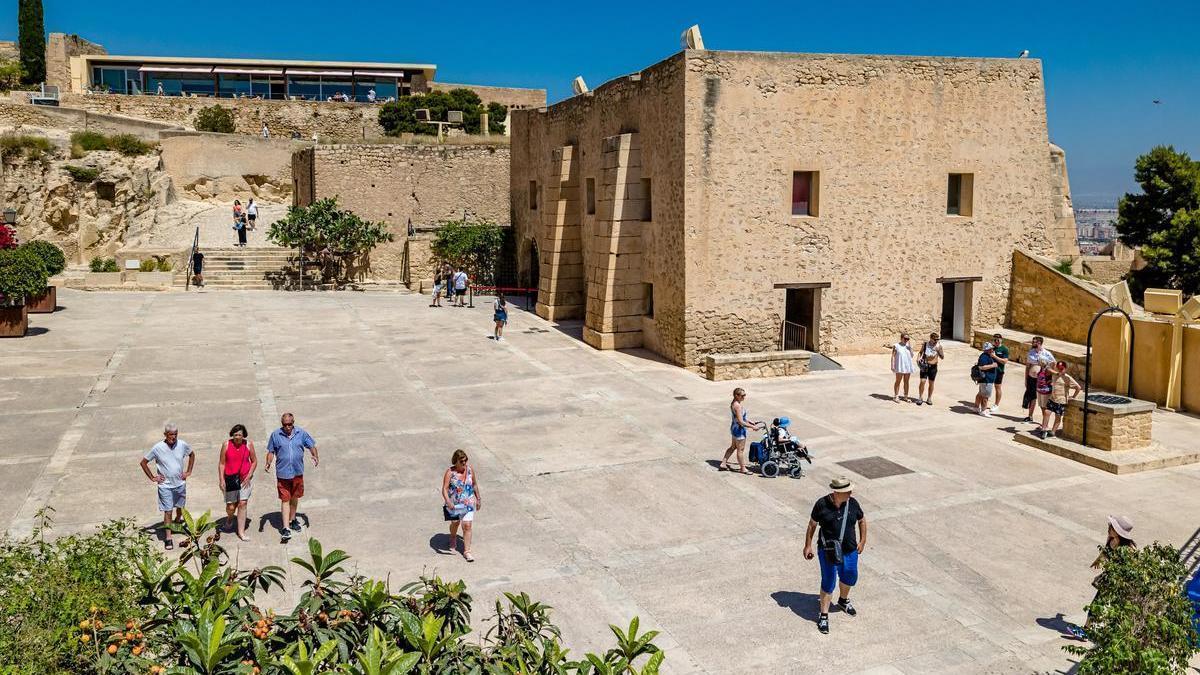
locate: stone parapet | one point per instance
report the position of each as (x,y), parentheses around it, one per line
(756,364)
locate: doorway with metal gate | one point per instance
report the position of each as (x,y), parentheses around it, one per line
(801,325)
(957,301)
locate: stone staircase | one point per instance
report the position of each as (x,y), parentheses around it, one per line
(248,269)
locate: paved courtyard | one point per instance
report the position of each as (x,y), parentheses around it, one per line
(601,495)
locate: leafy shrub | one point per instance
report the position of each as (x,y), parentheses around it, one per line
(51,255)
(49,585)
(162,263)
(197,614)
(127,144)
(1064,266)
(336,237)
(148,265)
(10,74)
(103,265)
(16,145)
(1140,619)
(22,274)
(83,174)
(215,118)
(475,247)
(399,117)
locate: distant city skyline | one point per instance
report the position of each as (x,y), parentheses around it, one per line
(1105,63)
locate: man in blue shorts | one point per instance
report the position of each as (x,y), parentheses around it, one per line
(171,477)
(836,514)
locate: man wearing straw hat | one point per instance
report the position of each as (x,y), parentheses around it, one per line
(836,514)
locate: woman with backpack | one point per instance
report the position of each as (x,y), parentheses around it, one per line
(239,222)
(927,363)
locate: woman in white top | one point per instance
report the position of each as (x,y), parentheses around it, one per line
(902,366)
(927,362)
(252,208)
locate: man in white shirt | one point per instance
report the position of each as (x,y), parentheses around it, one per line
(170,475)
(460,287)
(1032,367)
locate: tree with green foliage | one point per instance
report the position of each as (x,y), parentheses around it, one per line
(216,119)
(1164,221)
(22,274)
(11,74)
(473,246)
(31,39)
(1140,619)
(51,255)
(336,238)
(399,117)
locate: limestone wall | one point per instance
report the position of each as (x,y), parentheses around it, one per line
(230,166)
(512,97)
(396,184)
(883,133)
(624,265)
(9,50)
(1046,302)
(14,115)
(329,120)
(60,47)
(1151,359)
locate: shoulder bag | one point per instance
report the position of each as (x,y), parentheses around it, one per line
(833,549)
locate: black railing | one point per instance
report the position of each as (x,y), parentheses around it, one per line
(792,335)
(190,263)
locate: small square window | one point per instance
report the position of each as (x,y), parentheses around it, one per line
(959,194)
(647,212)
(533,195)
(805,185)
(590,196)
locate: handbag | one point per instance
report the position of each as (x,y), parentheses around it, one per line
(233,483)
(833,549)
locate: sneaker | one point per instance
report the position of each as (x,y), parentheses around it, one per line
(920,402)
(295,525)
(1028,420)
(1076,632)
(285,533)
(844,604)
(994,408)
(823,623)
(985,412)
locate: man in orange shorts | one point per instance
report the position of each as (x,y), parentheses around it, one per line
(287,446)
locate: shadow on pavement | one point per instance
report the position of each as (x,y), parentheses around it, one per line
(803,605)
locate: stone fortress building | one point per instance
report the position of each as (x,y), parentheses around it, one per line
(730,202)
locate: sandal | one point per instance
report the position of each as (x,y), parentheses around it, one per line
(467,555)
(723,467)
(746,472)
(169,545)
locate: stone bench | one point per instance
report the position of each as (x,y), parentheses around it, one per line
(1018,344)
(756,364)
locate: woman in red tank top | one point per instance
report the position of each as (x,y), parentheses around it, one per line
(235,470)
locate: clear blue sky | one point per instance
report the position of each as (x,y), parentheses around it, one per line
(1105,62)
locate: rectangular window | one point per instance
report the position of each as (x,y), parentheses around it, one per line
(590,196)
(533,195)
(647,212)
(959,197)
(804,193)
(648,295)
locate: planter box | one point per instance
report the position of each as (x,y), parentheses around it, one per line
(44,303)
(154,280)
(102,279)
(13,321)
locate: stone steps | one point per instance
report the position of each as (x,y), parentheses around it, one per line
(232,268)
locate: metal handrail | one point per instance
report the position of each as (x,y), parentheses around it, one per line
(1087,369)
(190,265)
(783,331)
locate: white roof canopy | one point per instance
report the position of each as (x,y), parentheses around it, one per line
(331,73)
(376,73)
(175,69)
(248,71)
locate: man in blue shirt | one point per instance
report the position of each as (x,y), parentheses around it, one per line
(287,446)
(987,367)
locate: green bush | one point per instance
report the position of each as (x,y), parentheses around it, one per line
(335,237)
(126,144)
(1140,620)
(22,274)
(399,116)
(51,255)
(16,145)
(50,585)
(10,74)
(103,265)
(83,174)
(475,247)
(148,265)
(215,118)
(162,263)
(197,614)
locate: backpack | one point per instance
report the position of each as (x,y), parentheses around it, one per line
(976,374)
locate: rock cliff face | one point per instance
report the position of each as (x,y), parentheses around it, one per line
(86,216)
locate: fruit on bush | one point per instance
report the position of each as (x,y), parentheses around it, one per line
(137,650)
(83,625)
(112,649)
(85,637)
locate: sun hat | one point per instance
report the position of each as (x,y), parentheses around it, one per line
(987,347)
(783,421)
(841,484)
(1122,525)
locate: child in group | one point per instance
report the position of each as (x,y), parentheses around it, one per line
(1062,388)
(500,316)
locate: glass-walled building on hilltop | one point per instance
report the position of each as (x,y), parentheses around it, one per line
(248,78)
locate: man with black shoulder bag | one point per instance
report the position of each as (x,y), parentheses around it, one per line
(836,514)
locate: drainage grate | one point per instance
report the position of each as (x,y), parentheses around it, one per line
(875,467)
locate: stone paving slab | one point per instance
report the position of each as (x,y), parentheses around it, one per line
(601,495)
